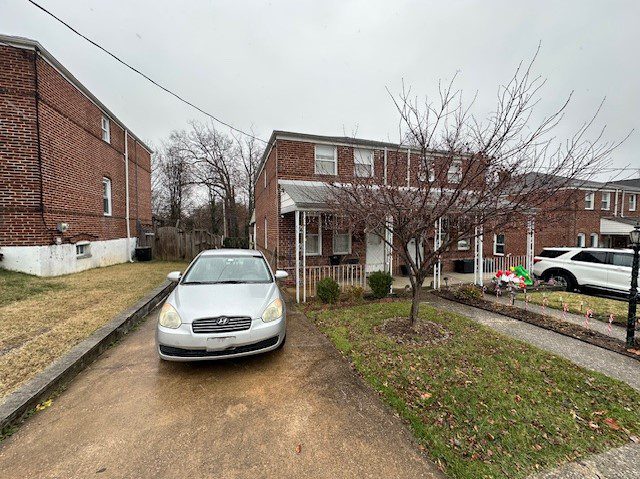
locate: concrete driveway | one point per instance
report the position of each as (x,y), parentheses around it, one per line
(299,412)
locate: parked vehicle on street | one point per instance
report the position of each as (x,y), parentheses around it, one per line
(226,304)
(605,270)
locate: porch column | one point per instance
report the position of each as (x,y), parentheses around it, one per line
(476,268)
(297,228)
(437,242)
(481,255)
(530,244)
(439,256)
(304,256)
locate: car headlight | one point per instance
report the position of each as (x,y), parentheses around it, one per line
(273,311)
(169,317)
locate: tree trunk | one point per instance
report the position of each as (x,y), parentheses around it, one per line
(415,302)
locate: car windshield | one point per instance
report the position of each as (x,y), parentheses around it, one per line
(228,270)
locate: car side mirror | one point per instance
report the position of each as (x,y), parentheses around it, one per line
(280,274)
(174,276)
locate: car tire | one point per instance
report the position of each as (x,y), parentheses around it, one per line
(566,278)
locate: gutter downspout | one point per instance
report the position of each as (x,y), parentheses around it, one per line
(126,189)
(615,210)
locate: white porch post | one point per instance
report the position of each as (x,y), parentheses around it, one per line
(297,228)
(388,247)
(530,244)
(304,256)
(439,245)
(476,268)
(481,255)
(437,242)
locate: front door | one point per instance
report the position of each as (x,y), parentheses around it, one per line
(375,253)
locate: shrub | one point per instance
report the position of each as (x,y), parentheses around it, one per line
(468,292)
(380,283)
(354,293)
(328,290)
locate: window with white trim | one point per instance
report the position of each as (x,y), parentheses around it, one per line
(426,171)
(454,175)
(589,198)
(313,237)
(633,199)
(106,129)
(593,240)
(83,250)
(606,200)
(363,161)
(326,160)
(580,242)
(341,242)
(106,196)
(498,244)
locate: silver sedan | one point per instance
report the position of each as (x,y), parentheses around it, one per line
(227,304)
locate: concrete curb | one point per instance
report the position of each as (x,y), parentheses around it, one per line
(19,402)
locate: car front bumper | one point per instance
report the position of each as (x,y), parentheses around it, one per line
(182,344)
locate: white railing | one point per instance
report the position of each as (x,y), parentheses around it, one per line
(344,274)
(498,263)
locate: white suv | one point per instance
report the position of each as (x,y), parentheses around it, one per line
(604,269)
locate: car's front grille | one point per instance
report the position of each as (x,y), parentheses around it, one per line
(221,324)
(202,353)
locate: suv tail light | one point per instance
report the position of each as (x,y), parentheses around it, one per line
(536,260)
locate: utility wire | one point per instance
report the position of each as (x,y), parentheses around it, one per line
(146,77)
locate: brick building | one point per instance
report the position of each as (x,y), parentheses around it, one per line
(295,165)
(75,187)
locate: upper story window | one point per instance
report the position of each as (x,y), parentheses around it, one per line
(363,160)
(498,244)
(326,160)
(106,129)
(606,200)
(589,197)
(426,171)
(106,196)
(454,175)
(632,202)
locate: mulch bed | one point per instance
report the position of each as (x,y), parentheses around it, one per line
(423,333)
(547,322)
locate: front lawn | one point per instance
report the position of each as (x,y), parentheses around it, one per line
(42,318)
(482,404)
(579,303)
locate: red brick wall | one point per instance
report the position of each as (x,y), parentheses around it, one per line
(74,160)
(267,200)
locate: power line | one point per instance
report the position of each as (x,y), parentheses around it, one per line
(146,77)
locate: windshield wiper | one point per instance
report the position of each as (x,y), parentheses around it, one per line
(230,281)
(196,282)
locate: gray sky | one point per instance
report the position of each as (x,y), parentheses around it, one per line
(322,66)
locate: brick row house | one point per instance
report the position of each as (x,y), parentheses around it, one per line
(295,166)
(75,183)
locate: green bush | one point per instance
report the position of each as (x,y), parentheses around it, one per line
(328,290)
(380,283)
(468,292)
(353,293)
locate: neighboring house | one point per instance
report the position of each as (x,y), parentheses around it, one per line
(295,166)
(71,174)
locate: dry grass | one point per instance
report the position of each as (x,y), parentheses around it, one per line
(579,303)
(42,318)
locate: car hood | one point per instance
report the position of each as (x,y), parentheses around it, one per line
(195,301)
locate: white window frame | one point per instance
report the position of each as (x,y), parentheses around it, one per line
(593,240)
(607,202)
(107,195)
(335,160)
(318,234)
(106,129)
(495,244)
(581,240)
(454,174)
(633,205)
(336,233)
(83,249)
(589,200)
(358,155)
(426,170)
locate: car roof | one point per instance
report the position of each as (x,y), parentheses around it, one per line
(231,252)
(577,248)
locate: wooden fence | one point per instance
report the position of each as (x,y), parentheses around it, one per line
(172,244)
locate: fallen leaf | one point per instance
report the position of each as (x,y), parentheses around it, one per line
(612,423)
(298,448)
(425,395)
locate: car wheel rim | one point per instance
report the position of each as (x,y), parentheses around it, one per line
(560,280)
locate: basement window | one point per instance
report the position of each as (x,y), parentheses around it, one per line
(106,129)
(83,250)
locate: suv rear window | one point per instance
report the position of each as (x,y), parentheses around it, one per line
(552,253)
(599,257)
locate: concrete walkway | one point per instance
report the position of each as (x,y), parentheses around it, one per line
(586,355)
(299,412)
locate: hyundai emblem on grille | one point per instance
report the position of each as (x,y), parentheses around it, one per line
(222,320)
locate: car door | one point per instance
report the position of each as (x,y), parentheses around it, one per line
(590,268)
(620,271)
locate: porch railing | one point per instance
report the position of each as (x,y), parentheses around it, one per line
(497,263)
(344,274)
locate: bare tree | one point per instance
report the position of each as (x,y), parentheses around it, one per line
(171,183)
(248,151)
(471,172)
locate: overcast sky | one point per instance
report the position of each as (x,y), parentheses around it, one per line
(323,66)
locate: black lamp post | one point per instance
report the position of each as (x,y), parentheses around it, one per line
(634,237)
